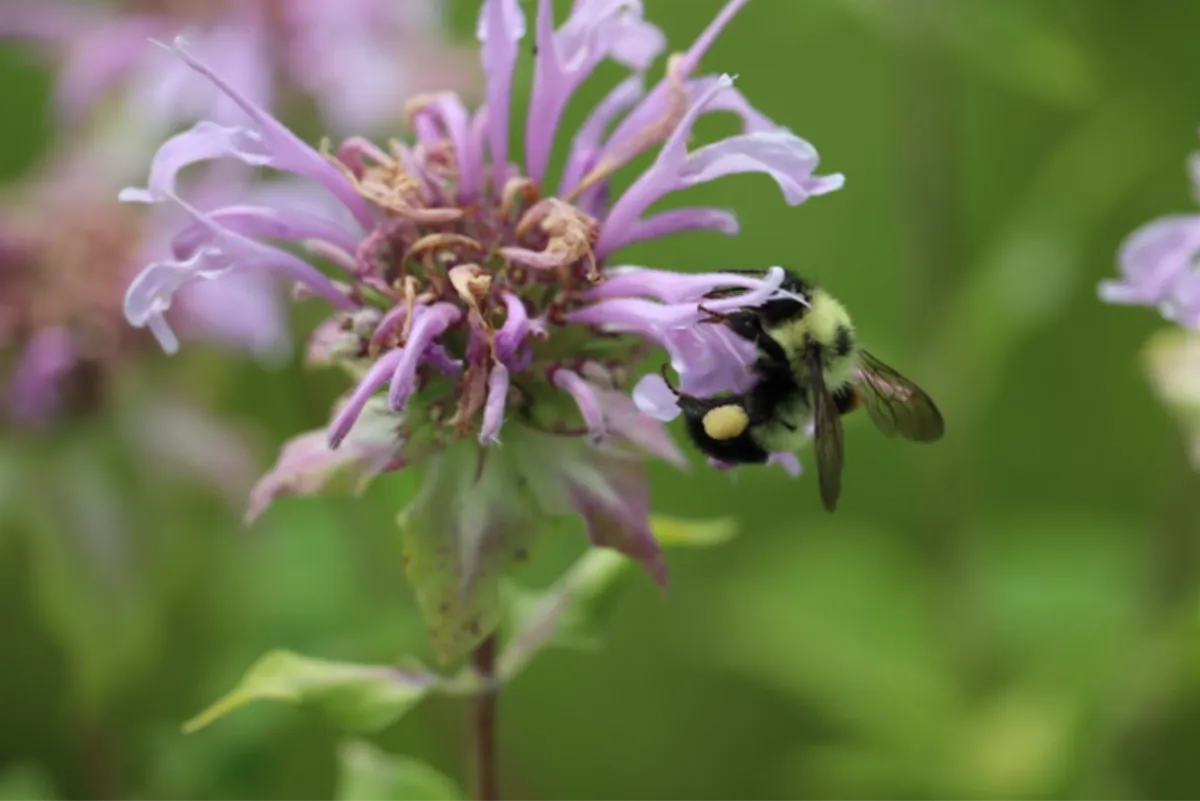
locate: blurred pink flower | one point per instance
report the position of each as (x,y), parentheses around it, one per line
(66,250)
(270,49)
(475,303)
(1160,264)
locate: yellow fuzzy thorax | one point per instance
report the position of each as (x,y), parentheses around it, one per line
(825,316)
(820,323)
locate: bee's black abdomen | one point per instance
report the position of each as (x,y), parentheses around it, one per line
(741,449)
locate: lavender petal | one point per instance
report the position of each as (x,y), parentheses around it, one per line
(150,294)
(585,398)
(784,156)
(646,433)
(586,146)
(493,408)
(501,27)
(427,326)
(654,397)
(1153,259)
(287,152)
(452,121)
(624,144)
(376,378)
(595,30)
(516,327)
(678,221)
(263,222)
(667,286)
(204,141)
(34,386)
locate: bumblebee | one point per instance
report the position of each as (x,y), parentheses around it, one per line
(809,369)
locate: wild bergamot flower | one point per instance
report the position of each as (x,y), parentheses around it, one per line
(351,57)
(65,252)
(1158,264)
(478,308)
(1159,268)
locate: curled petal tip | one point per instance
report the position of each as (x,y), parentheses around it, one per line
(653,397)
(134,194)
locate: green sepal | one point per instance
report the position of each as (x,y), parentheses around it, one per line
(678,532)
(570,612)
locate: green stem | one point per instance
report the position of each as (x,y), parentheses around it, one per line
(483,723)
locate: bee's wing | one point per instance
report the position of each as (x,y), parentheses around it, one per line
(827,434)
(895,404)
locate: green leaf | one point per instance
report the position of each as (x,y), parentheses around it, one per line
(569,613)
(368,774)
(358,697)
(565,614)
(465,528)
(674,532)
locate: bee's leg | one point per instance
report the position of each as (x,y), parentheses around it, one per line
(760,402)
(712,316)
(758,409)
(846,399)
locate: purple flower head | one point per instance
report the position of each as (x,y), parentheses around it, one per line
(477,308)
(1159,265)
(268,48)
(65,251)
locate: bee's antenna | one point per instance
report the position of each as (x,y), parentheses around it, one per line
(670,386)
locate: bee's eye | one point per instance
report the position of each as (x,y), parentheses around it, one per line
(725,422)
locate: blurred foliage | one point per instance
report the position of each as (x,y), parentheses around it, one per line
(1011,613)
(368,774)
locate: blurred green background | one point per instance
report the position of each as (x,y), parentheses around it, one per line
(1011,613)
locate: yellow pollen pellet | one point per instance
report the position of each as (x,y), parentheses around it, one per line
(726,422)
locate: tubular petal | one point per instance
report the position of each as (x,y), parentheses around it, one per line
(266,223)
(376,378)
(516,327)
(493,409)
(585,398)
(429,322)
(501,27)
(286,151)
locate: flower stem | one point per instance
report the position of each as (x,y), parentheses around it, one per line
(483,724)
